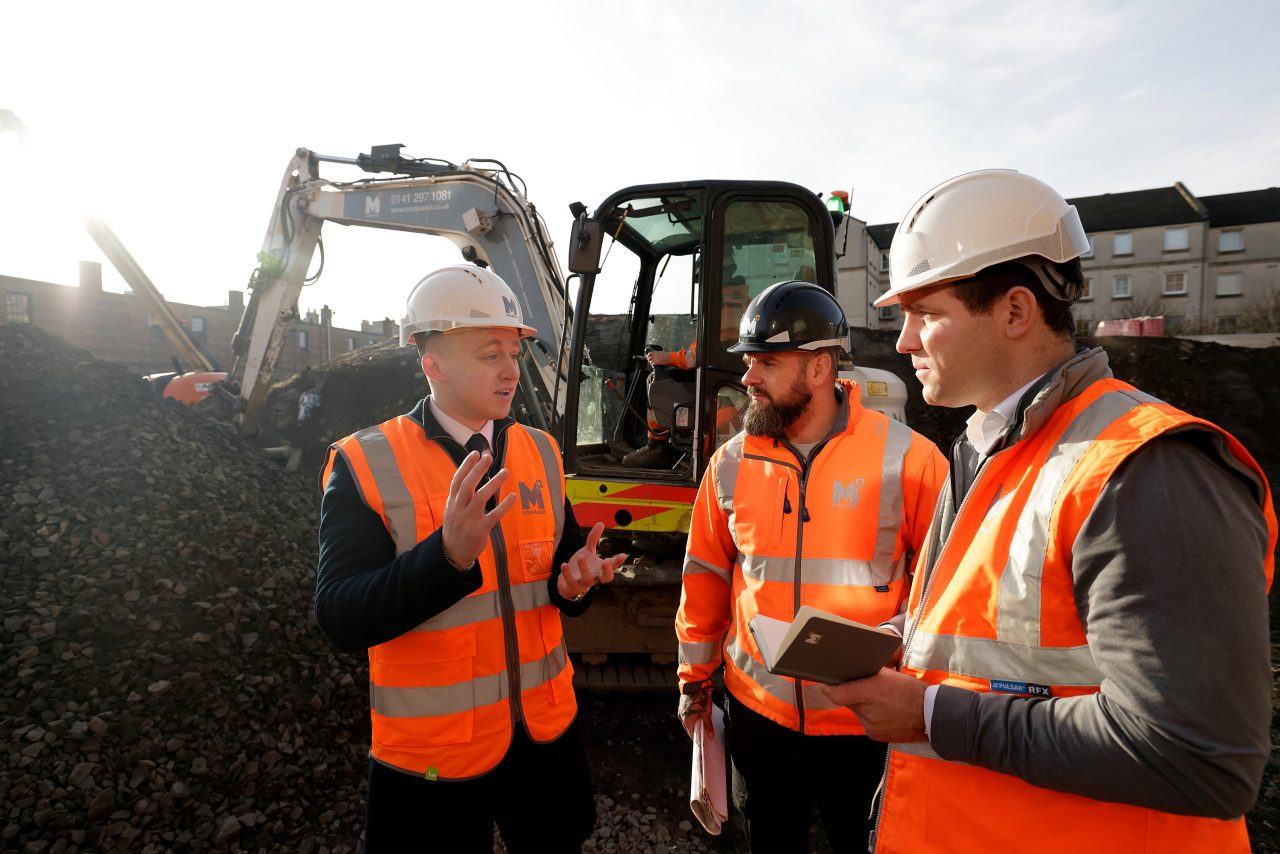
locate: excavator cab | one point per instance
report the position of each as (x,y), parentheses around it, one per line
(668,266)
(671,267)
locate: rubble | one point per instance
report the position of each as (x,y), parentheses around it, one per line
(165,687)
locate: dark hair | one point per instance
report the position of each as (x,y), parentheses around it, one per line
(980,294)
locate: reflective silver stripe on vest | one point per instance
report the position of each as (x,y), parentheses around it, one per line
(851,573)
(555,484)
(484,606)
(781,688)
(692,566)
(984,658)
(699,653)
(464,696)
(1018,617)
(727,472)
(897,441)
(923,749)
(397,502)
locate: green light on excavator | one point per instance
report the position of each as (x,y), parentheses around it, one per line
(835,204)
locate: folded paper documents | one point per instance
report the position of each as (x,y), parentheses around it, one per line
(707,795)
(822,647)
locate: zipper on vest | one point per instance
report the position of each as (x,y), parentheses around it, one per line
(507,609)
(932,556)
(804,474)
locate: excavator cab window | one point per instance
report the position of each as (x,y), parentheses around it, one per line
(677,269)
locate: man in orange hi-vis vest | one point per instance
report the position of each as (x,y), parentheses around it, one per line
(818,502)
(1085,663)
(449,552)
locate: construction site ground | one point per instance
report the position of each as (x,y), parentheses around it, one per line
(165,687)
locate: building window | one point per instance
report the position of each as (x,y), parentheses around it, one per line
(197,325)
(1122,287)
(1174,284)
(17,307)
(1227,325)
(1231,241)
(1084,327)
(302,339)
(1088,253)
(884,262)
(1087,291)
(351,342)
(1230,284)
(1176,239)
(886,312)
(1123,244)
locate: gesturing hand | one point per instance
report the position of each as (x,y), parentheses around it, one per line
(586,568)
(466,525)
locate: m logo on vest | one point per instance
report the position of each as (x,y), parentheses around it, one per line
(846,495)
(531,500)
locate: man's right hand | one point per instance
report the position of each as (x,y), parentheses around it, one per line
(466,526)
(658,358)
(695,705)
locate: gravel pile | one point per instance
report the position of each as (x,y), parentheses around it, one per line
(165,687)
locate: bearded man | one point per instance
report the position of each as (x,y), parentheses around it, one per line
(817,502)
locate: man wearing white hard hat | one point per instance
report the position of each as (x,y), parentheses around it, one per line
(1086,657)
(449,552)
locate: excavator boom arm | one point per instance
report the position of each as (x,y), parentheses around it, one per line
(485,216)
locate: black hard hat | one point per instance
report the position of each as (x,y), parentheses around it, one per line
(792,316)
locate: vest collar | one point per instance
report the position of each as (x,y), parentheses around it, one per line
(1052,390)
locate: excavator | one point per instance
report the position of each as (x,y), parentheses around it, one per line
(656,266)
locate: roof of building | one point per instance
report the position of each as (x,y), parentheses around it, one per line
(882,235)
(1244,208)
(1136,209)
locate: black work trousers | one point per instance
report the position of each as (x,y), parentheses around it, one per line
(540,796)
(779,776)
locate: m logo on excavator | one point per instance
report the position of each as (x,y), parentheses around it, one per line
(373,204)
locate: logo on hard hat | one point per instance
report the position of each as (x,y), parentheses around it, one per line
(751,325)
(510,307)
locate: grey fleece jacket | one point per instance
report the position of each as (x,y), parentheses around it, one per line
(1169,584)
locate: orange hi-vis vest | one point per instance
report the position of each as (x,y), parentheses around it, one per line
(445,696)
(770,533)
(997,613)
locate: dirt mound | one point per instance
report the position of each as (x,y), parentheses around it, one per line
(166,688)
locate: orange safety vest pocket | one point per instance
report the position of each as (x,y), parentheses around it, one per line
(535,557)
(558,690)
(425,676)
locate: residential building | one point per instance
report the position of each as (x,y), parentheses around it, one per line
(117,327)
(1207,264)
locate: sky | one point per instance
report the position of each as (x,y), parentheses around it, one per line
(174,122)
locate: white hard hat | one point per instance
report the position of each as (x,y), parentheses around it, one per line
(459,297)
(977,220)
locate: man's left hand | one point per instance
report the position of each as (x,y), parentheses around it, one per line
(890,705)
(586,569)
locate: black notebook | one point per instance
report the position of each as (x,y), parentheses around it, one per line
(822,647)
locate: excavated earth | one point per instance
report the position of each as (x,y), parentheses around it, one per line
(165,686)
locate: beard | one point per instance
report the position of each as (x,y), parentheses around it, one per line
(771,418)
